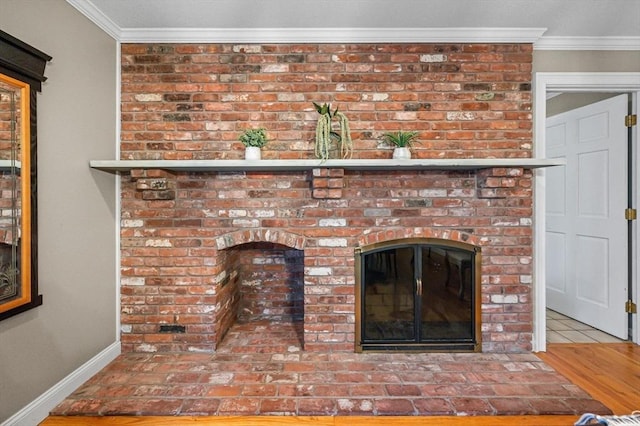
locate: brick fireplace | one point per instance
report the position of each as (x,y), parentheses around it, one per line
(201,250)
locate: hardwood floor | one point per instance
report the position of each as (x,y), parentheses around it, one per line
(609,372)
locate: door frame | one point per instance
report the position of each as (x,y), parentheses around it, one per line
(573,82)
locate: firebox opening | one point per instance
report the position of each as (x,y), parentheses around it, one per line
(267,285)
(418,294)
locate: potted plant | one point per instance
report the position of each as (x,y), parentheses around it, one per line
(402,141)
(253,140)
(325,134)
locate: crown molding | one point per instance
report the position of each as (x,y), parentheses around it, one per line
(587,43)
(96,16)
(331,35)
(305,35)
(350,35)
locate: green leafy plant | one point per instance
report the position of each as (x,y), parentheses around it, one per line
(254,137)
(325,135)
(400,139)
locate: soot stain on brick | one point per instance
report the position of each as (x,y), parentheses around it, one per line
(291,59)
(246,68)
(417,106)
(190,107)
(177,97)
(176,117)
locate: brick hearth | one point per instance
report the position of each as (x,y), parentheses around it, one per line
(260,369)
(198,249)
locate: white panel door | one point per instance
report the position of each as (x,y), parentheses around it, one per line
(586,248)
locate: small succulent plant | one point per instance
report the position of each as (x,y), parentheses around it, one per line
(400,139)
(254,137)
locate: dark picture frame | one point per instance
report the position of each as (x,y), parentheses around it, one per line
(22,69)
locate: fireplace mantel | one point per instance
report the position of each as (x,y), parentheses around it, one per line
(9,164)
(296,165)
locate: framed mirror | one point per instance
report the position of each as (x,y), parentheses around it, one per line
(21,75)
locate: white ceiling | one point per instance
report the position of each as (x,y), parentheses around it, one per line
(606,23)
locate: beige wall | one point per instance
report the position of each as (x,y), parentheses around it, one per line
(568,101)
(76,211)
(586,61)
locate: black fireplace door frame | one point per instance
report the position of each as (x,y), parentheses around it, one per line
(394,271)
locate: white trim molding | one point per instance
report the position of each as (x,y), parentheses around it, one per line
(584,82)
(587,43)
(351,35)
(305,35)
(543,83)
(331,35)
(39,409)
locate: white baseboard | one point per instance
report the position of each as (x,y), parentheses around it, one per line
(40,407)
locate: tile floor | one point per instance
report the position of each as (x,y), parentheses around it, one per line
(260,369)
(562,329)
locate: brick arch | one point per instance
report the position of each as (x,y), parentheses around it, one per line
(284,238)
(401,233)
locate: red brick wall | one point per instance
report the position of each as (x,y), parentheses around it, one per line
(181,232)
(191,101)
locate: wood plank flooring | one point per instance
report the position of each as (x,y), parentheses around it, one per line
(608,372)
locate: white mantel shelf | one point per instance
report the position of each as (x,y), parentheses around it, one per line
(296,165)
(8,165)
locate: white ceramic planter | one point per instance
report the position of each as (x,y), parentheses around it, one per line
(401,153)
(252,153)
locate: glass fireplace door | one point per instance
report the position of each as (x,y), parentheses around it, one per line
(418,296)
(389,294)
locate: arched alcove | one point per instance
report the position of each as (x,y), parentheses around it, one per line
(264,279)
